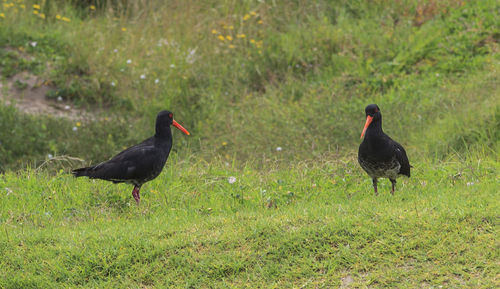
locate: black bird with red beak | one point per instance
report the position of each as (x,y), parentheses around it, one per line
(379,155)
(140,163)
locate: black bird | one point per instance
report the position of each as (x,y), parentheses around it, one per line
(140,163)
(379,155)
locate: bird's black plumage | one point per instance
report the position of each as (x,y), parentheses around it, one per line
(378,154)
(140,163)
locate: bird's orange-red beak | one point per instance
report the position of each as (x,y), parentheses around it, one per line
(177,125)
(367,123)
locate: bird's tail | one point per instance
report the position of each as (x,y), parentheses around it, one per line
(82,172)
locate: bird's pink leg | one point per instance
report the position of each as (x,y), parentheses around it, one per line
(393,186)
(375,186)
(136,195)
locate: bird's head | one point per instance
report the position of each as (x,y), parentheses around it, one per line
(372,114)
(166,118)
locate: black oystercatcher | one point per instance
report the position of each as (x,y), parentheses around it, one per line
(378,154)
(140,163)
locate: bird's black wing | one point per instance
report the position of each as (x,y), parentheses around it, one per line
(402,159)
(146,143)
(137,163)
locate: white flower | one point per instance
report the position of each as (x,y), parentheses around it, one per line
(122,70)
(129,61)
(59,98)
(50,156)
(75,128)
(143,76)
(67,107)
(231,180)
(172,65)
(9,191)
(157,81)
(470,184)
(33,44)
(113,83)
(278,149)
(162,42)
(191,56)
(115,51)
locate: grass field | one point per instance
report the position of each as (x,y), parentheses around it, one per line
(245,78)
(313,225)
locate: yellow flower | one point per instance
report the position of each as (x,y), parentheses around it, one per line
(22,6)
(246,17)
(260,21)
(253,13)
(229,37)
(78,123)
(41,15)
(92,7)
(66,19)
(6,5)
(252,41)
(221,37)
(224,143)
(231,27)
(58,16)
(214,31)
(2,15)
(241,36)
(35,12)
(260,51)
(124,29)
(232,46)
(36,6)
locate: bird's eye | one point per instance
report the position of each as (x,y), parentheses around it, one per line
(170,115)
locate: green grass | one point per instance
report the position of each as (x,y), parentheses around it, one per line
(299,78)
(306,226)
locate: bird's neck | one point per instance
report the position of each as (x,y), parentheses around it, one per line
(163,133)
(375,129)
(163,140)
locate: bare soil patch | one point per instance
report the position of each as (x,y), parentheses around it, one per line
(27,92)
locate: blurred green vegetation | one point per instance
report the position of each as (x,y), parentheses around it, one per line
(246,77)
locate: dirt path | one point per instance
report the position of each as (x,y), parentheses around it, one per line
(27,92)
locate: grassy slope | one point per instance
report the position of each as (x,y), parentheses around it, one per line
(304,216)
(424,63)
